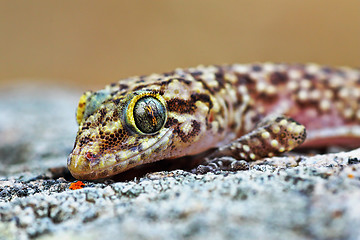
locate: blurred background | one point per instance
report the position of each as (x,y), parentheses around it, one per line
(86,44)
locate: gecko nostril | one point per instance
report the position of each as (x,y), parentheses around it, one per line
(90,156)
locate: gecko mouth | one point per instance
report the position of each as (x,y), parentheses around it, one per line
(109,164)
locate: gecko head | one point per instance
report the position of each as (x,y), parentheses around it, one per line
(118,133)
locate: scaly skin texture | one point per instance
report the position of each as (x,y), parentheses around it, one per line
(248,112)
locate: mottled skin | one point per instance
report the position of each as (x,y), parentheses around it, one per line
(246,111)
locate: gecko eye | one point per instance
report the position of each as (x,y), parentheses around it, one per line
(149,114)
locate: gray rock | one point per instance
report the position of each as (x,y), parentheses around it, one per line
(292,197)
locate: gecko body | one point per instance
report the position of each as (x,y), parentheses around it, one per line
(246,111)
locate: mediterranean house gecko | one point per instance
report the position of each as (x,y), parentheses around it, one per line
(246,111)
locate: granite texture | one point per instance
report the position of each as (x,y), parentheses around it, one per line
(291,197)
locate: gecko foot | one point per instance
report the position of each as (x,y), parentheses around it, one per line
(271,137)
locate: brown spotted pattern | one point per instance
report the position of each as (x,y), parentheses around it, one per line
(247,111)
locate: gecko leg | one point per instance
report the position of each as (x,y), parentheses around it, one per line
(272,136)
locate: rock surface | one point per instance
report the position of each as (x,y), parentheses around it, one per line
(294,197)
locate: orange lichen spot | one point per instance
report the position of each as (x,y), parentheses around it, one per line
(76,185)
(350,175)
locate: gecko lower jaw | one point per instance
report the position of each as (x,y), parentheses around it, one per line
(107,165)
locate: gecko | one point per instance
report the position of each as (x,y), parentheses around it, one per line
(244,111)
